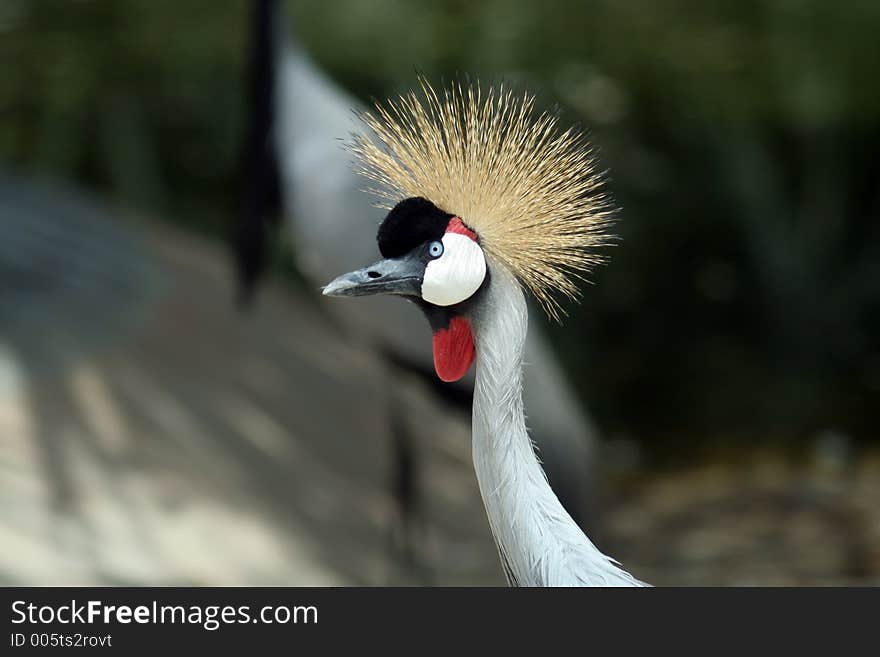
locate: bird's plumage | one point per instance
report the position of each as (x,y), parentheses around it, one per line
(538,542)
(533,197)
(531,191)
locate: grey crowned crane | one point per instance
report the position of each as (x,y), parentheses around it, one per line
(486,198)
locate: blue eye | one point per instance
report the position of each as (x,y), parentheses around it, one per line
(435,249)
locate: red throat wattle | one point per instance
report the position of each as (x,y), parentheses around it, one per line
(453,350)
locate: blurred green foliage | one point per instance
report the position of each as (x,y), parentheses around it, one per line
(742,139)
(142,98)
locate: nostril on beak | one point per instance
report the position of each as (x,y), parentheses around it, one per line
(374,274)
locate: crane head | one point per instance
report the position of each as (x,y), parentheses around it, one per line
(476,176)
(431,257)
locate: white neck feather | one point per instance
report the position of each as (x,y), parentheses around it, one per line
(539,543)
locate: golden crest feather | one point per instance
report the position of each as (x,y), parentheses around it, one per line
(530,191)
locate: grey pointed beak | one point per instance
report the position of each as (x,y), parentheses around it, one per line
(392,276)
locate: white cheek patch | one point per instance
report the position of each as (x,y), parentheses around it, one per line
(455,275)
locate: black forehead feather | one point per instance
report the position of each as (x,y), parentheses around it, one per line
(410,223)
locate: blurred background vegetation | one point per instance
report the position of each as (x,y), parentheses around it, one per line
(742,138)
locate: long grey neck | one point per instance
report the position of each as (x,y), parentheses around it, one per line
(539,543)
